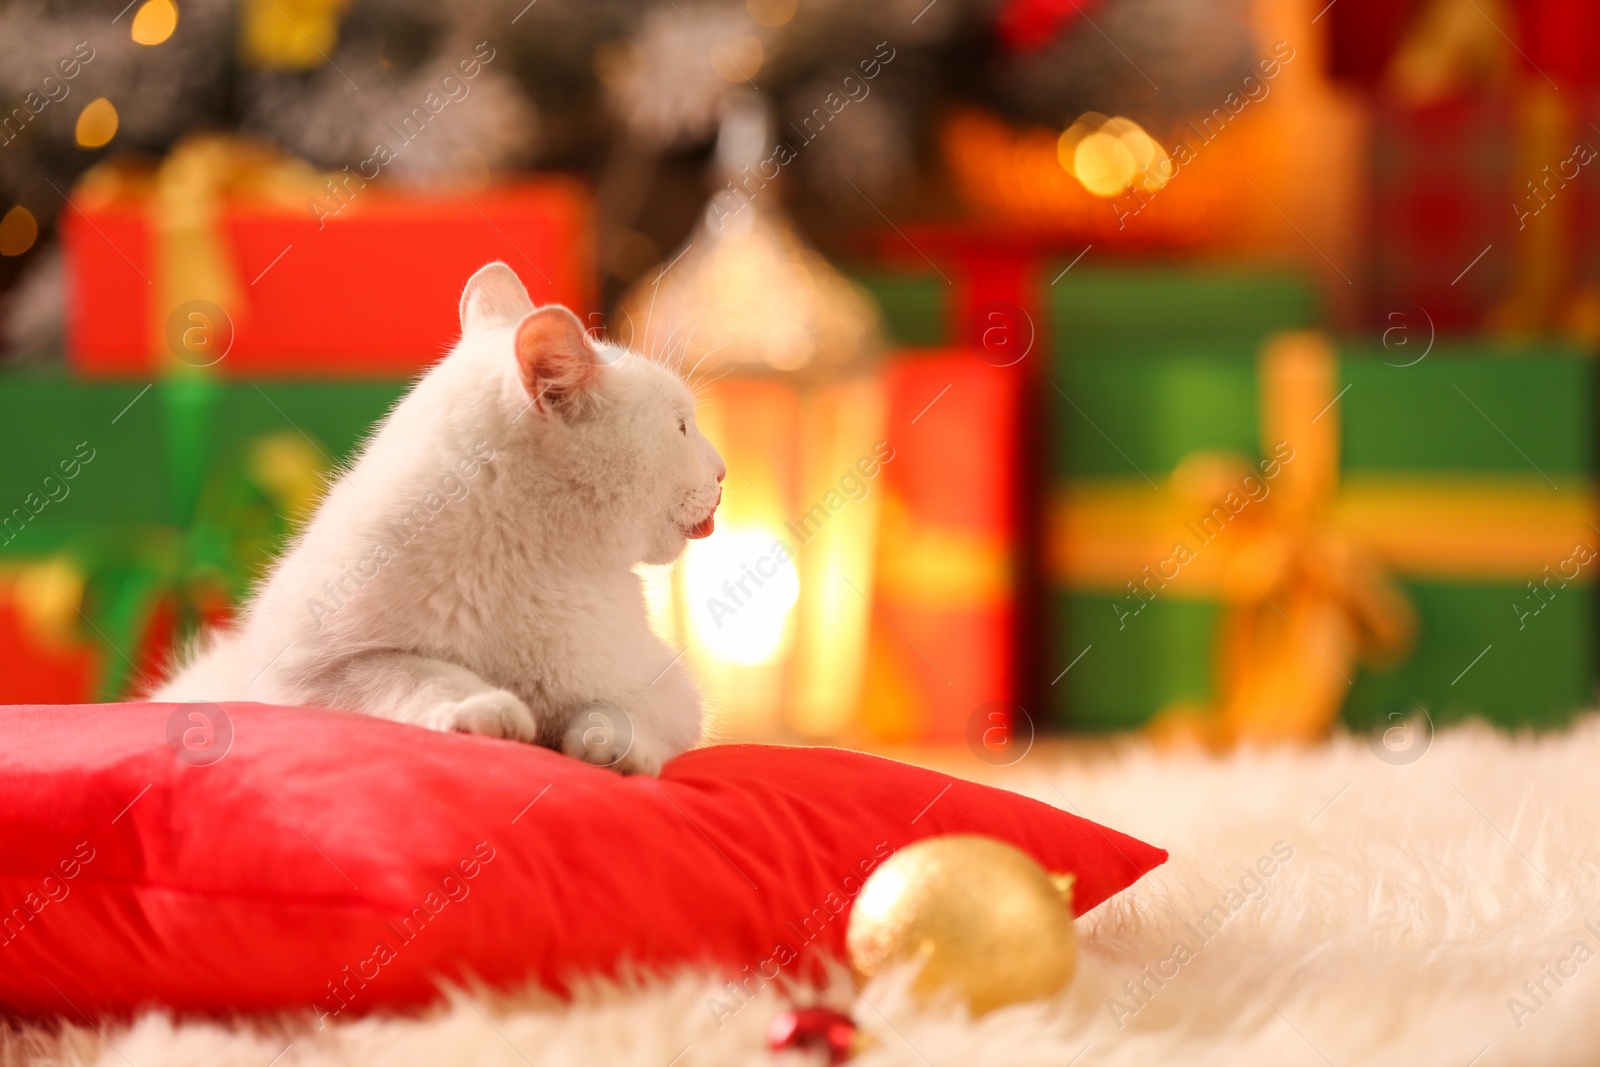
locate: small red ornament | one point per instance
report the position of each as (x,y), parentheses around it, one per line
(813,1028)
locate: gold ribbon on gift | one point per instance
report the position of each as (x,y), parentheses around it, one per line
(1300,561)
(1450,47)
(935,566)
(197,296)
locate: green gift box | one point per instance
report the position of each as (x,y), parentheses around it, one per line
(1463,477)
(171,493)
(1149,310)
(913,306)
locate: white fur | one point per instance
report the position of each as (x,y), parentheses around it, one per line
(473,569)
(1410,913)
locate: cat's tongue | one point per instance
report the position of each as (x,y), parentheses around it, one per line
(704,527)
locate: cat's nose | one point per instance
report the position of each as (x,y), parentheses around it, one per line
(722,472)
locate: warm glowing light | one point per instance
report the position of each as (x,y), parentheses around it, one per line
(741,586)
(155,21)
(1103,164)
(772,12)
(1151,162)
(1020,175)
(97,123)
(737,59)
(1107,155)
(18,231)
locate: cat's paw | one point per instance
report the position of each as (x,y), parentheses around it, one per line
(602,733)
(495,713)
(642,758)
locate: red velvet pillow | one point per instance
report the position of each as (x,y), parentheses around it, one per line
(344,863)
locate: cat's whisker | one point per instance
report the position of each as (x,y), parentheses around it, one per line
(683,352)
(671,347)
(664,351)
(672,330)
(699,386)
(709,353)
(667,354)
(655,289)
(697,363)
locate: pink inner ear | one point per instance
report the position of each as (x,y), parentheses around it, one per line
(554,355)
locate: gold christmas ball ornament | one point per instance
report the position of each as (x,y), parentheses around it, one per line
(983,919)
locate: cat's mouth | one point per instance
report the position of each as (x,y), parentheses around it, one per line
(704,527)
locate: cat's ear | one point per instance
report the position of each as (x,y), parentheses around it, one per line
(554,358)
(493,297)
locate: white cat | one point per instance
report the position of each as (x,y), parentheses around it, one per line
(473,569)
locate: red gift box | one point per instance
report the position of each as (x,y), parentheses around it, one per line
(1442,221)
(1484,211)
(1546,39)
(369,291)
(942,646)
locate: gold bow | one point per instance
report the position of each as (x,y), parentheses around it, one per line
(1303,601)
(185,198)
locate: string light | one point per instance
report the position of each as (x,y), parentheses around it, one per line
(97,123)
(739,59)
(1107,155)
(1019,174)
(154,22)
(772,12)
(18,231)
(1103,164)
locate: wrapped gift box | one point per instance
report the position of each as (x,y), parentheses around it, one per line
(1485,211)
(303,290)
(1443,229)
(913,306)
(1549,38)
(1481,187)
(133,513)
(1110,312)
(942,648)
(1465,479)
(952,569)
(971,285)
(1142,326)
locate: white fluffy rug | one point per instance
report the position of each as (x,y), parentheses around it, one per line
(1445,911)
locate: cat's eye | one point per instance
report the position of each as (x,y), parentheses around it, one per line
(683,427)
